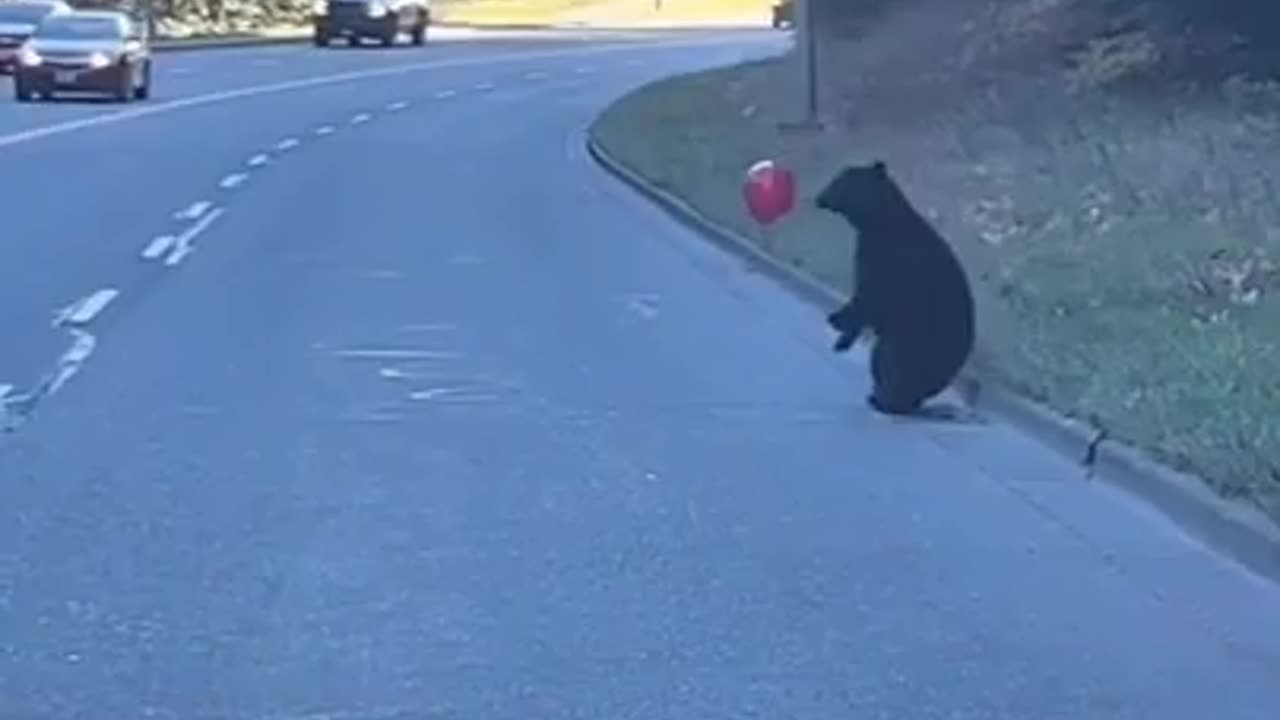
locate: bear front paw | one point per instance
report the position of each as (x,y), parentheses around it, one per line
(844,342)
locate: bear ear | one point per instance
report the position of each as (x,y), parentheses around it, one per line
(880,167)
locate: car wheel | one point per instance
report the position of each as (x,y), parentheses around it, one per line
(389,38)
(21,91)
(320,38)
(353,40)
(143,90)
(419,33)
(124,90)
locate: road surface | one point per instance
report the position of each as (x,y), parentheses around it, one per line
(359,393)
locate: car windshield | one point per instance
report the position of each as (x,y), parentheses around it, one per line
(87,28)
(23,13)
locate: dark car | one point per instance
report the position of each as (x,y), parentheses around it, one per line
(17,21)
(99,51)
(383,20)
(783,13)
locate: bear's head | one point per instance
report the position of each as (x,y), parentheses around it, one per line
(858,192)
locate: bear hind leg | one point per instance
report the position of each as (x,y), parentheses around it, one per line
(895,389)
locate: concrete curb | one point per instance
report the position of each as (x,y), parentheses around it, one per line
(215,43)
(1242,533)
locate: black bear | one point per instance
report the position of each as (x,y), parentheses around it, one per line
(910,290)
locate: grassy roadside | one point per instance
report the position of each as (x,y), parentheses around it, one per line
(603,13)
(1123,230)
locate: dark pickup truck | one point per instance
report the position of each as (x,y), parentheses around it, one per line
(784,13)
(383,20)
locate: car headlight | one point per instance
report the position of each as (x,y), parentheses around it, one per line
(377,9)
(29,57)
(99,60)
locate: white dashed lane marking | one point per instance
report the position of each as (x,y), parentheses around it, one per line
(193,211)
(325,130)
(232,181)
(397,106)
(257,160)
(182,244)
(158,247)
(445,94)
(84,310)
(361,118)
(73,359)
(287,144)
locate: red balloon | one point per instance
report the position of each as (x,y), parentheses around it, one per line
(770,192)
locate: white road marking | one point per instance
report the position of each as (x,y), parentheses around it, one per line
(397,106)
(193,211)
(484,86)
(287,144)
(375,354)
(233,180)
(182,245)
(84,310)
(111,118)
(445,94)
(429,327)
(535,76)
(325,130)
(257,160)
(5,389)
(72,360)
(158,247)
(360,118)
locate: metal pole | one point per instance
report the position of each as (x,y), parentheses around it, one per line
(806,52)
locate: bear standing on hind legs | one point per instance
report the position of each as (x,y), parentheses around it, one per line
(909,290)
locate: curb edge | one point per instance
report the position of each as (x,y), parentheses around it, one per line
(1241,533)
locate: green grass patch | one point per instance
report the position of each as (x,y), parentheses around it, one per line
(1124,253)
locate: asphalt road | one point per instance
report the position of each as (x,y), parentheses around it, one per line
(422,416)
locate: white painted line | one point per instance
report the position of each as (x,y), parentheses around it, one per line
(84,310)
(287,144)
(360,118)
(484,86)
(429,327)
(5,389)
(325,130)
(193,211)
(445,94)
(119,116)
(396,355)
(233,180)
(158,247)
(182,245)
(398,106)
(73,359)
(257,160)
